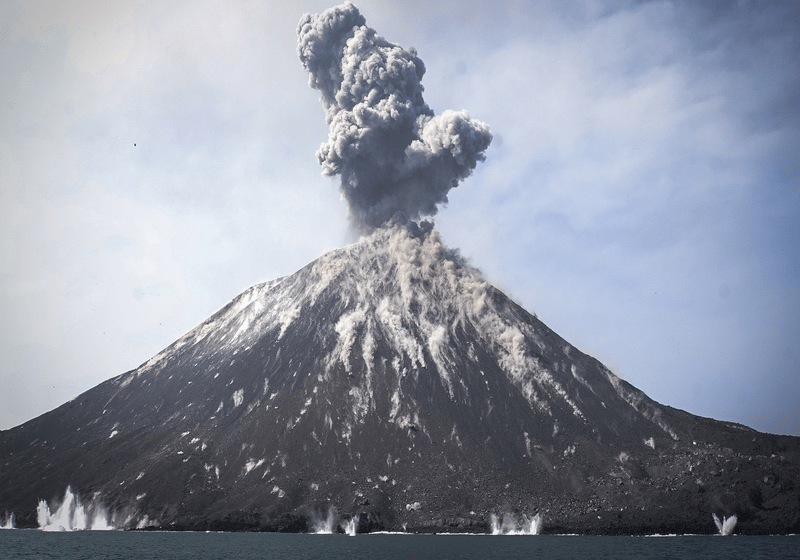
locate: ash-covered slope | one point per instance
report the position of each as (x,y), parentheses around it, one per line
(389,380)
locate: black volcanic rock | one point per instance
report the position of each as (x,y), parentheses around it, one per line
(388,380)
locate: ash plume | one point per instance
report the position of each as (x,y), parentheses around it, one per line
(397,159)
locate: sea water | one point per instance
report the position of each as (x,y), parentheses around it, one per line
(123,545)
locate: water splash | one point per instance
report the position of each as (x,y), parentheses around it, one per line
(533,525)
(510,525)
(74,515)
(350,526)
(725,526)
(324,525)
(8,522)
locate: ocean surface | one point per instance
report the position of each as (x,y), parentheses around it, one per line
(140,545)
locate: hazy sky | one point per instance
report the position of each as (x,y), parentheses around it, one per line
(641,194)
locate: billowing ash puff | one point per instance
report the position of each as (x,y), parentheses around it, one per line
(397,159)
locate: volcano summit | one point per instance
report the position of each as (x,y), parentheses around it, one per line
(387,385)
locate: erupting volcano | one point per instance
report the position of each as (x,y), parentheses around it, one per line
(387,385)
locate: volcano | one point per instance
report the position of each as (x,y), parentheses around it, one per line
(387,384)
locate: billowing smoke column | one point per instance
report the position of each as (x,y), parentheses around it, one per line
(397,160)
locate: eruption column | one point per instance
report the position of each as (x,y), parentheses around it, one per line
(396,158)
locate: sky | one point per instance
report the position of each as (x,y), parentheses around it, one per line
(641,193)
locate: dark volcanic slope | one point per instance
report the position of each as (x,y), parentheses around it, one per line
(388,379)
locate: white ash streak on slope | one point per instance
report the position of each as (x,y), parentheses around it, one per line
(401,298)
(394,155)
(398,286)
(425,293)
(639,401)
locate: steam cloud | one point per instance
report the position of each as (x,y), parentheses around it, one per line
(396,158)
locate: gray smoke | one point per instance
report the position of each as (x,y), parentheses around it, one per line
(397,160)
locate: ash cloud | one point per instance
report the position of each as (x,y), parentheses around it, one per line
(396,158)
